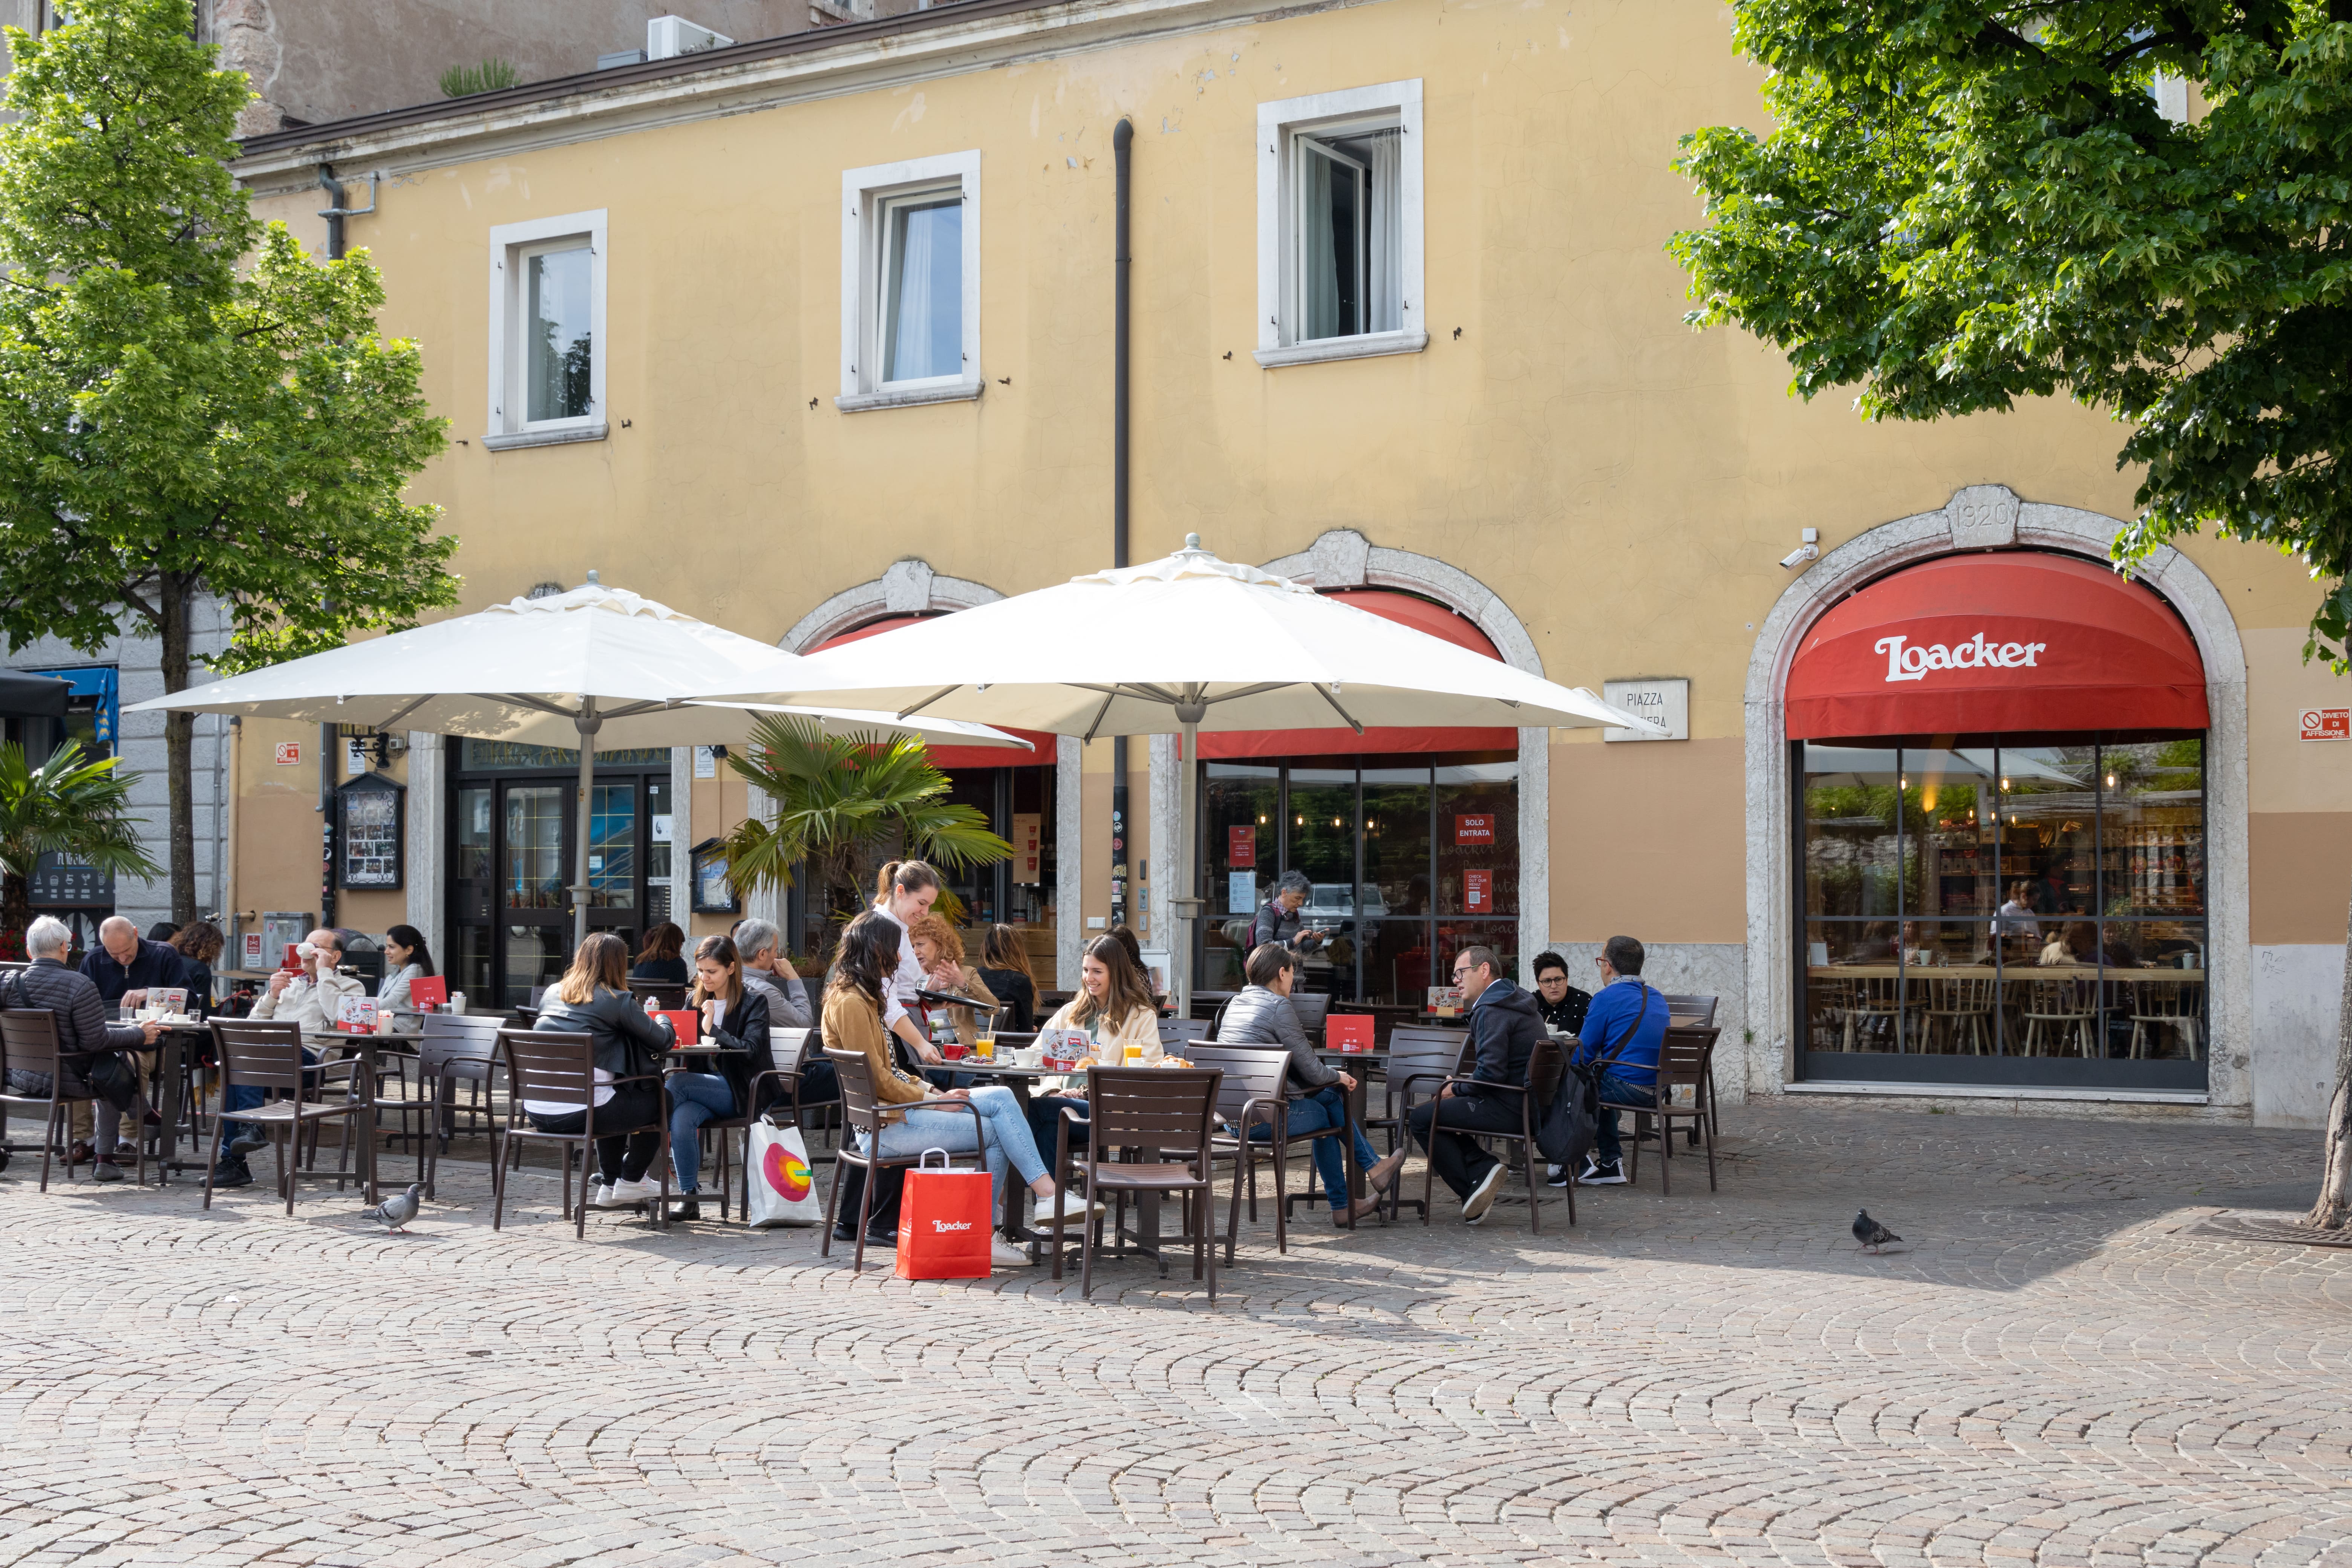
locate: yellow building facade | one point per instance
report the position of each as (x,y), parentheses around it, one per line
(846,303)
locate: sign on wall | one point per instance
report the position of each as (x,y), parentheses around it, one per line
(1028,848)
(290,753)
(368,847)
(1478,892)
(1241,845)
(1663,700)
(1477,827)
(2326,723)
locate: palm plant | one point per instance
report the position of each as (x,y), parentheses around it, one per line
(838,798)
(68,806)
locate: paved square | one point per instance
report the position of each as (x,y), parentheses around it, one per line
(2053,1371)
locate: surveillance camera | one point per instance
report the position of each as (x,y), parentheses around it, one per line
(1799,555)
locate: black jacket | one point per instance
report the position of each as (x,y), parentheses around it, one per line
(1568,1014)
(155,964)
(1504,1029)
(625,1038)
(745,1028)
(1019,994)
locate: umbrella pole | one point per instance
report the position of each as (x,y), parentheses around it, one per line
(587,723)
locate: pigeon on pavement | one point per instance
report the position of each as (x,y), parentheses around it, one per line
(396,1211)
(1870,1233)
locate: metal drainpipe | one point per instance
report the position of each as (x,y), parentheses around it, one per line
(330,762)
(334,214)
(1122,142)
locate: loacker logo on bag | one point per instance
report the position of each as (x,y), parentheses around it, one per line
(1914,661)
(946,1224)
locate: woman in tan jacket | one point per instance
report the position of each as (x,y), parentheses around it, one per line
(853,1021)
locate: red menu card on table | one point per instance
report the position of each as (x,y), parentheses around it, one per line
(429,991)
(1349,1032)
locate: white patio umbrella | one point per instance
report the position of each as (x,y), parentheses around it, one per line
(570,670)
(1181,645)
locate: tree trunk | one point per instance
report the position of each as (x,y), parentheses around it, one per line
(179,736)
(16,910)
(2334,1207)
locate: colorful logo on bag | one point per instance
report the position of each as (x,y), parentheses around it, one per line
(786,1172)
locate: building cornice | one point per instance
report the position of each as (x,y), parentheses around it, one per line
(829,62)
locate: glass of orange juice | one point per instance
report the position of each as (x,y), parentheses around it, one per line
(985,1047)
(1134,1054)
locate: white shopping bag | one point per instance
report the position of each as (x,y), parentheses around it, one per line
(783,1189)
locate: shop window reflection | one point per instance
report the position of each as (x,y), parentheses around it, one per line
(1853,847)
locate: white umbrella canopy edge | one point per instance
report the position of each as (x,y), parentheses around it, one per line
(594,664)
(1187,643)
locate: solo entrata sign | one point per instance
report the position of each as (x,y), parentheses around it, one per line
(1996,643)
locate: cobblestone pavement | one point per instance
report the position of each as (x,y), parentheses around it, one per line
(2053,1371)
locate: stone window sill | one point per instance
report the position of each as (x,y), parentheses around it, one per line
(911,397)
(508,440)
(1371,345)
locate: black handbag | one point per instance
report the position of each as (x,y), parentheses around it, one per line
(1572,1124)
(111,1079)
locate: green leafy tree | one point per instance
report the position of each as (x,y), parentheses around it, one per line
(839,798)
(69,806)
(186,401)
(1964,203)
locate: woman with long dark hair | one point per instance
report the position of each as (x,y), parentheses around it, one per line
(405,958)
(863,975)
(734,1015)
(663,957)
(198,943)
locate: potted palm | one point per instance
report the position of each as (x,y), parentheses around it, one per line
(838,800)
(69,806)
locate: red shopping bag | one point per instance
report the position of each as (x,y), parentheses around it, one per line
(945,1222)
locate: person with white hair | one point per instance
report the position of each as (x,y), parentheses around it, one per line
(125,966)
(309,998)
(761,947)
(83,1031)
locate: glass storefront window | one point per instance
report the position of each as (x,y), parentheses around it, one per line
(2038,902)
(1389,847)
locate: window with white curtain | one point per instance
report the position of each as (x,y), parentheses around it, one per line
(1340,242)
(910,287)
(547,329)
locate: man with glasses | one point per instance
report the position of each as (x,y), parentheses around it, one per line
(1623,1031)
(1504,1029)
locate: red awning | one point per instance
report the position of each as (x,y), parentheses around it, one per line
(953,759)
(2008,641)
(1404,609)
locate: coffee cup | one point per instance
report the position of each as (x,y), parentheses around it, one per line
(952,1049)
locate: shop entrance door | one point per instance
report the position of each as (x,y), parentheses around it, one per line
(533,836)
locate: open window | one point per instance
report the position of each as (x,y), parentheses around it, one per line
(910,283)
(1339,203)
(547,329)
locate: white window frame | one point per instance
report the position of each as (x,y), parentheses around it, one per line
(1279,123)
(510,244)
(865,195)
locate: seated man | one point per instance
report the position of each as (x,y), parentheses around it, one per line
(83,1030)
(125,966)
(761,947)
(1623,1030)
(309,999)
(1562,1004)
(1261,1015)
(1504,1029)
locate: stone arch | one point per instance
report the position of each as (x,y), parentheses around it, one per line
(1993,517)
(910,587)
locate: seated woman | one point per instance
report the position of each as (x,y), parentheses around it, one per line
(734,1015)
(592,998)
(662,958)
(939,948)
(1004,970)
(853,1001)
(1261,1015)
(1115,1013)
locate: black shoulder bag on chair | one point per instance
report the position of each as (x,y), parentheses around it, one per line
(1570,1123)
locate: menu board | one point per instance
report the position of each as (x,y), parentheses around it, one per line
(368,850)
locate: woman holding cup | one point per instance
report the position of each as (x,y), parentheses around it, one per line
(1115,1012)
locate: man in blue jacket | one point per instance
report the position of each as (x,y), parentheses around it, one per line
(125,966)
(1623,1030)
(1504,1029)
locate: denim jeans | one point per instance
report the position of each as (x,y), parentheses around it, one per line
(694,1098)
(1608,1146)
(1323,1112)
(954,1130)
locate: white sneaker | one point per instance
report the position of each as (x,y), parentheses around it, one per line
(1003,1254)
(627,1194)
(1481,1196)
(1073,1206)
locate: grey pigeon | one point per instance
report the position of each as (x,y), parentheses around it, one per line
(396,1211)
(1869,1232)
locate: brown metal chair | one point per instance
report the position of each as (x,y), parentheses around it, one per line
(1161,1110)
(559,1069)
(667,996)
(1207,1004)
(1419,1058)
(1177,1033)
(450,1051)
(266,1054)
(1698,1011)
(1684,1062)
(28,1043)
(1542,1082)
(861,1112)
(1251,1095)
